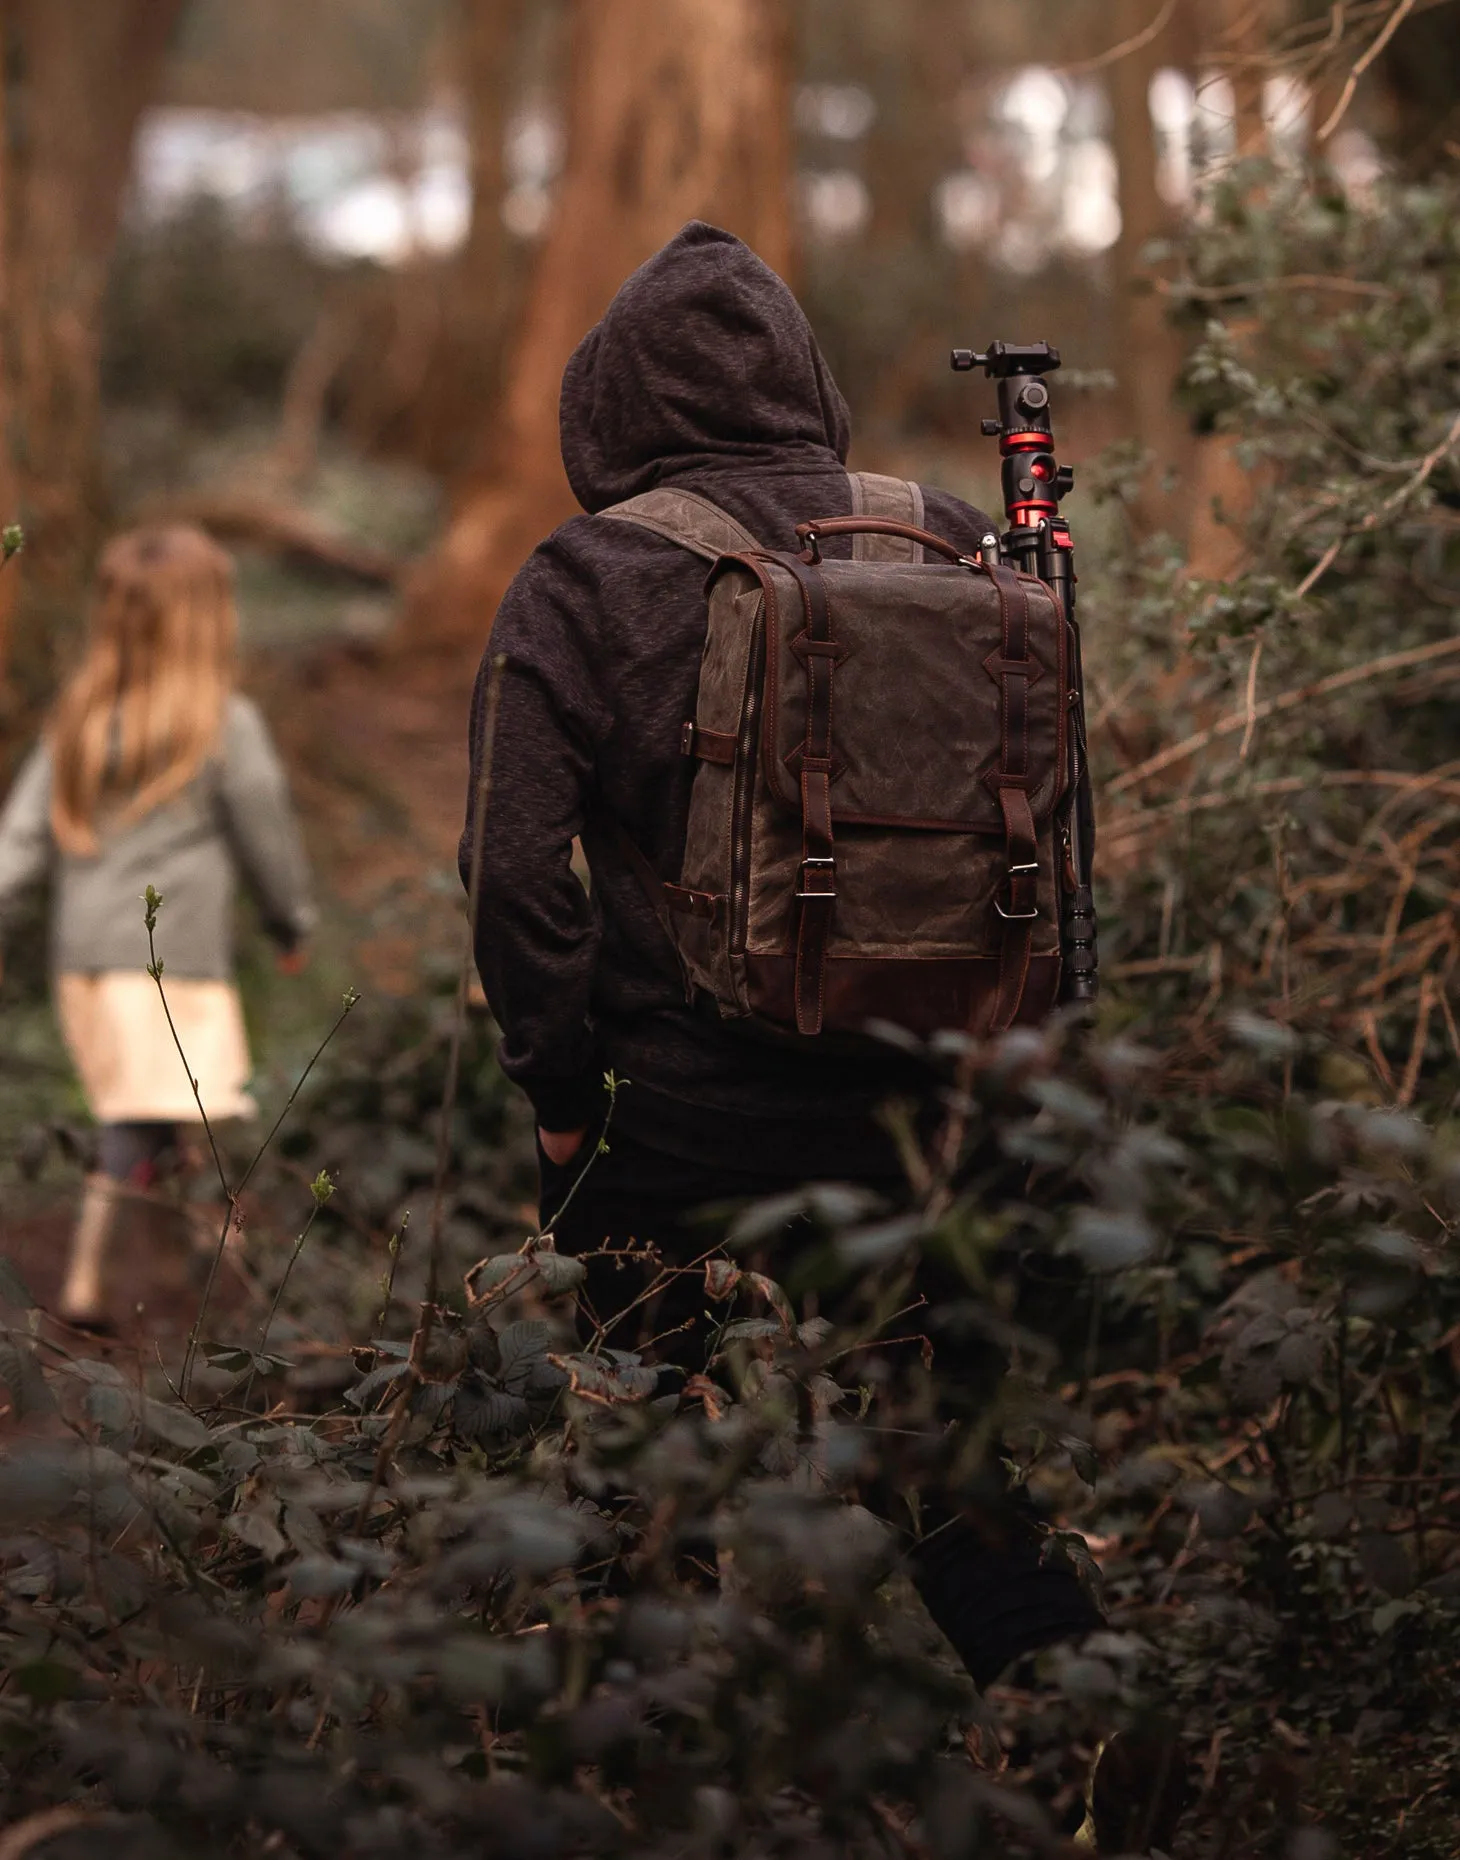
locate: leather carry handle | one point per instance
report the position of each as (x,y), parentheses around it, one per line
(811,533)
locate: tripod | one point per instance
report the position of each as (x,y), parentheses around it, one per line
(1038,542)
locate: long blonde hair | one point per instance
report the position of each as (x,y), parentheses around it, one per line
(145,708)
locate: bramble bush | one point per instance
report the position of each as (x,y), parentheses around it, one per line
(509,1593)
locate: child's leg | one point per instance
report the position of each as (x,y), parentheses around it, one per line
(130,1157)
(81,1300)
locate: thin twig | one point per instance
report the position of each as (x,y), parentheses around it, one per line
(1136,43)
(1391,25)
(351,1001)
(152,900)
(481,801)
(189,1356)
(1429,991)
(1375,517)
(1142,820)
(1247,734)
(1294,281)
(1287,700)
(320,1198)
(388,1289)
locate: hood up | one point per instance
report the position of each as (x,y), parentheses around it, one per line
(703,358)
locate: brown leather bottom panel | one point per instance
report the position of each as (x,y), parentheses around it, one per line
(923,995)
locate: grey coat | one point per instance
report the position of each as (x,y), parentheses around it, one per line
(234,816)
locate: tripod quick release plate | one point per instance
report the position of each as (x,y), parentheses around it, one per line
(1002,359)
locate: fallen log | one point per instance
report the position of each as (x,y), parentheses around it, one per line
(245,517)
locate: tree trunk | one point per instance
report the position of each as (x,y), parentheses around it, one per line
(1152,351)
(677,111)
(84,72)
(917,66)
(1223,494)
(9,484)
(419,368)
(491,31)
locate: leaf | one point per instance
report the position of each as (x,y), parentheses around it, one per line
(490,1275)
(751,1330)
(1392,1245)
(595,1380)
(114,1410)
(763,1219)
(1389,1614)
(711,1397)
(238,1360)
(171,1422)
(30,1393)
(1299,1358)
(871,1246)
(721,1278)
(520,1344)
(1110,1242)
(1068,1550)
(1266,1038)
(13,1288)
(560,1274)
(259,1531)
(1083,1457)
(774,1297)
(371,1385)
(487,1414)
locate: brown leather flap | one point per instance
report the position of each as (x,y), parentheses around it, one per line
(916,723)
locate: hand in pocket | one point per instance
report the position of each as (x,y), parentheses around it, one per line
(560,1146)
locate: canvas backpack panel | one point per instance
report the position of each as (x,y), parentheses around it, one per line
(882,778)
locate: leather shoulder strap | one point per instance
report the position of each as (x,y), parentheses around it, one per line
(686,518)
(876,496)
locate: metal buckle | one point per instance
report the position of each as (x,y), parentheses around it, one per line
(827,864)
(1018,917)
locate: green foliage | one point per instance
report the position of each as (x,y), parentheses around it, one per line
(511,1586)
(1279,773)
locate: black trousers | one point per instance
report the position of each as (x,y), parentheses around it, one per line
(976,1563)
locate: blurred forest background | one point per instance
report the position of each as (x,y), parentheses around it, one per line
(307,272)
(310,275)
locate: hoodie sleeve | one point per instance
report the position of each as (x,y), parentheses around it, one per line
(536,936)
(260,824)
(25,834)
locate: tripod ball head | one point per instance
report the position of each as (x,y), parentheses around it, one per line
(1002,359)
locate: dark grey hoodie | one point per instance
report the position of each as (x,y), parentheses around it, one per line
(704,374)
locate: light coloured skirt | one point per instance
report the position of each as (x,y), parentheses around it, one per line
(120,1043)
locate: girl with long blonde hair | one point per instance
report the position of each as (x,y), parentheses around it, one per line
(153,771)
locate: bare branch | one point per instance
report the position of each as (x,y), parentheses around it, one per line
(1391,25)
(1137,43)
(1288,700)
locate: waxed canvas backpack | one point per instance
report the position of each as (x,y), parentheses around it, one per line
(882,776)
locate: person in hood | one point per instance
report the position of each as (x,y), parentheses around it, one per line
(704,375)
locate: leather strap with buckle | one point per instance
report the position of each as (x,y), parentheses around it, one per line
(1018,908)
(816,890)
